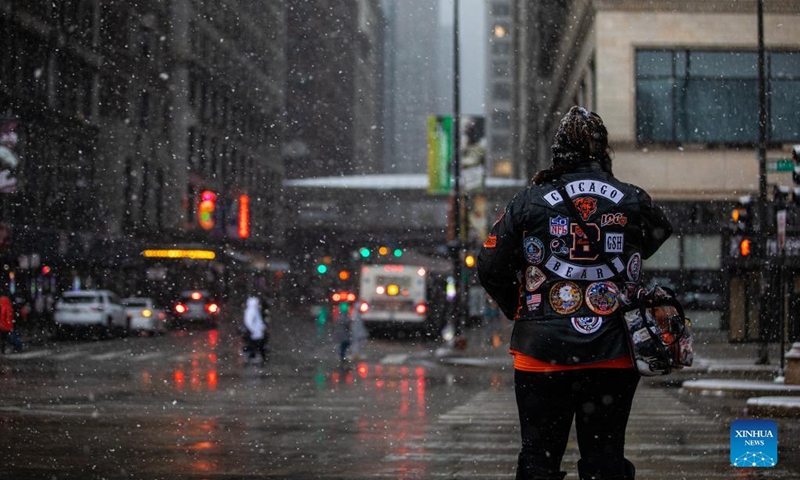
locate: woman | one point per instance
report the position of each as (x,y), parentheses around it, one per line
(571,356)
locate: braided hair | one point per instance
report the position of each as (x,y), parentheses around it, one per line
(581,138)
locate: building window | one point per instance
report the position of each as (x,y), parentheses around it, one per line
(686,96)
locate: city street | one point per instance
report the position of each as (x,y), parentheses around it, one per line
(187,406)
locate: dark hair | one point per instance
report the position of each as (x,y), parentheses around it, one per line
(581,138)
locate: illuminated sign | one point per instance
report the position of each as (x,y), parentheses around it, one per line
(244,216)
(179,254)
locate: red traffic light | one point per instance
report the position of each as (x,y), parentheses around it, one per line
(744,247)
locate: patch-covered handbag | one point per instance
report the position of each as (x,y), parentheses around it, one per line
(660,334)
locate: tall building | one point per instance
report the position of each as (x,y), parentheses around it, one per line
(412,67)
(500,77)
(127,112)
(334,87)
(676,82)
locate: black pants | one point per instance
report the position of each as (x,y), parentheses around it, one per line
(599,400)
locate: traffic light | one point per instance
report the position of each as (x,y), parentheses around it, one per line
(364,252)
(469,260)
(745,247)
(205,209)
(741,215)
(322,269)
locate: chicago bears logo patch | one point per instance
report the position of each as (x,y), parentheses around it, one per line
(565,297)
(587,325)
(586,206)
(601,297)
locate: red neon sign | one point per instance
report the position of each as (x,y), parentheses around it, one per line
(244,216)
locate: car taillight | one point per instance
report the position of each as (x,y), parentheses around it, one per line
(363,307)
(212,308)
(421,309)
(180,308)
(146,313)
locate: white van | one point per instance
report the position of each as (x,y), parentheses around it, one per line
(100,309)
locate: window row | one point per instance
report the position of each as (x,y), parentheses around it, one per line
(689,96)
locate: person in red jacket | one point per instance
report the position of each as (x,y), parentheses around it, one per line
(6,321)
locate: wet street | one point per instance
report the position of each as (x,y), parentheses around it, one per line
(187,406)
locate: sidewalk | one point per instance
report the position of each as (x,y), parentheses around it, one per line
(721,369)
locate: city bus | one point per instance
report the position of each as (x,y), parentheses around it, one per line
(395,296)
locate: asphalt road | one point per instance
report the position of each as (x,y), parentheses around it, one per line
(188,406)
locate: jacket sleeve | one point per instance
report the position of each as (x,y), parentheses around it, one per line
(499,262)
(656,227)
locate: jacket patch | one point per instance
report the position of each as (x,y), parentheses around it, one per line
(570,271)
(533,302)
(559,247)
(491,241)
(587,325)
(534,250)
(559,226)
(615,242)
(601,297)
(565,297)
(534,278)
(607,219)
(634,268)
(586,206)
(586,187)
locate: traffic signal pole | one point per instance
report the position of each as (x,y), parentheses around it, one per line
(763,210)
(457,246)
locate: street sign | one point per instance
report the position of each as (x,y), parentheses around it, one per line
(780,165)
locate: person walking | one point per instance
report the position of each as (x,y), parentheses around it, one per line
(6,322)
(565,287)
(257,330)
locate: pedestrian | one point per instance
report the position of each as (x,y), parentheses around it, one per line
(571,354)
(6,323)
(343,335)
(358,332)
(256,329)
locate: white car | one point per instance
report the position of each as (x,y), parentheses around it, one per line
(144,315)
(99,310)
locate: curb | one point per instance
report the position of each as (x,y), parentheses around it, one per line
(766,407)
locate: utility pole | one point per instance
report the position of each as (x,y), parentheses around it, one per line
(763,211)
(457,311)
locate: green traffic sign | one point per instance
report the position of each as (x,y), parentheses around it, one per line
(780,165)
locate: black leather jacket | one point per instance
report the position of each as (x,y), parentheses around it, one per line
(538,265)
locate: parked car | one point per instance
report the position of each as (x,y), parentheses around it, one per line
(97,310)
(144,315)
(196,307)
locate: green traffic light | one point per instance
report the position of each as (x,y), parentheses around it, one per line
(364,252)
(398,252)
(322,269)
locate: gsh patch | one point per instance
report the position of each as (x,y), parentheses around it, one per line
(615,242)
(559,226)
(534,250)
